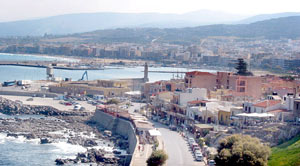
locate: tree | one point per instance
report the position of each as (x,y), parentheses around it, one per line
(113,101)
(157,158)
(241,67)
(242,150)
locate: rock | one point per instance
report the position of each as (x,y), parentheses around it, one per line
(81,155)
(45,141)
(84,160)
(60,161)
(30,136)
(90,143)
(12,135)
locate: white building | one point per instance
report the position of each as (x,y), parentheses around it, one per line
(191,94)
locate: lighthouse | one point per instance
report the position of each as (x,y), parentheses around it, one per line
(146,79)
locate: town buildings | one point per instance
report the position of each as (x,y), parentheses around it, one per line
(221,98)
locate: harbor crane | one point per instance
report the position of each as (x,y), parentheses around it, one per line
(85,74)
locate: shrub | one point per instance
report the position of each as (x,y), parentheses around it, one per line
(157,158)
(242,150)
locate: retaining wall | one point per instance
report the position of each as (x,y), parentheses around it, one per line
(22,93)
(119,126)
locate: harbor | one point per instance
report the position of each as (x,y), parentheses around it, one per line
(55,65)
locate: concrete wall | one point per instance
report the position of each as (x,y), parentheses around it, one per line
(22,93)
(120,126)
(191,95)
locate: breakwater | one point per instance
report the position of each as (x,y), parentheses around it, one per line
(45,64)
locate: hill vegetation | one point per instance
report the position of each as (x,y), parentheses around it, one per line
(85,22)
(287,153)
(287,27)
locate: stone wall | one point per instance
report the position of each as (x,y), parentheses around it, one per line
(120,126)
(22,93)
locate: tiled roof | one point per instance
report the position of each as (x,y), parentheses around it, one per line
(277,111)
(197,101)
(267,103)
(199,73)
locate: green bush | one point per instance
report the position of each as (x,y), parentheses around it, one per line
(201,142)
(242,150)
(157,158)
(113,101)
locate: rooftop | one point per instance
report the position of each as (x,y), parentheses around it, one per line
(197,101)
(278,111)
(204,126)
(267,103)
(199,73)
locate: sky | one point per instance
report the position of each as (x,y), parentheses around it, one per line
(11,10)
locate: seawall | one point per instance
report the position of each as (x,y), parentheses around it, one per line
(22,93)
(119,126)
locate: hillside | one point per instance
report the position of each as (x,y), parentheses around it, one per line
(287,27)
(287,153)
(263,17)
(85,22)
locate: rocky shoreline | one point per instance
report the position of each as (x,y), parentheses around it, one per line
(10,107)
(55,126)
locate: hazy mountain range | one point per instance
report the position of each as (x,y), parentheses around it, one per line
(285,27)
(85,22)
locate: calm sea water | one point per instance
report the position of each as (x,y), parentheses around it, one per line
(31,73)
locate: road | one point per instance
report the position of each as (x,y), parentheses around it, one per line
(175,145)
(177,148)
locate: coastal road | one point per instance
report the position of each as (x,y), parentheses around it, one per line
(177,148)
(175,145)
(135,106)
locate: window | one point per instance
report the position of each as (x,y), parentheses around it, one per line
(241,89)
(242,83)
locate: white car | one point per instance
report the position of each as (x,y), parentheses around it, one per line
(198,156)
(211,163)
(191,141)
(77,107)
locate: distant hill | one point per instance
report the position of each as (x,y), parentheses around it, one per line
(264,17)
(85,22)
(287,27)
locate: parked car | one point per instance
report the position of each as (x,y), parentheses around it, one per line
(194,145)
(196,148)
(191,141)
(29,99)
(198,156)
(197,151)
(172,127)
(77,107)
(211,163)
(68,104)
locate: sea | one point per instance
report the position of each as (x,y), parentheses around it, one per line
(9,73)
(21,152)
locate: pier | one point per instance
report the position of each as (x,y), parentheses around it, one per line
(55,65)
(175,72)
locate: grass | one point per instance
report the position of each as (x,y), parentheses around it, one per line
(286,154)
